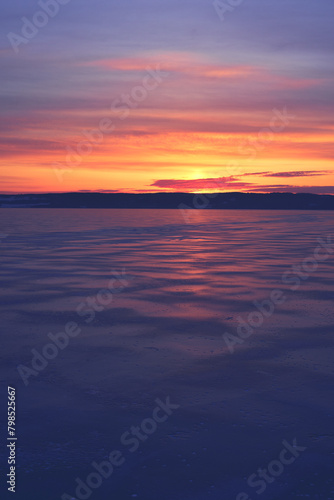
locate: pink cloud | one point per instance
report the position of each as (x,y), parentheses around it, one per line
(231,183)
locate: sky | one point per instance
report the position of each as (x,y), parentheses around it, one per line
(167,95)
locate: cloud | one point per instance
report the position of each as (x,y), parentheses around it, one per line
(298,173)
(218,184)
(233,183)
(310,173)
(190,64)
(187,63)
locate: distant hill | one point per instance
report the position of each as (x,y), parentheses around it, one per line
(246,201)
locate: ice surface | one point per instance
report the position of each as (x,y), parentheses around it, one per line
(162,335)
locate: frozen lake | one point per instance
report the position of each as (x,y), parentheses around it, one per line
(230,316)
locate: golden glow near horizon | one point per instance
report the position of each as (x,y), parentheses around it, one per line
(156,162)
(169,120)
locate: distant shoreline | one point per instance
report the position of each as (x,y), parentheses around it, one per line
(181,201)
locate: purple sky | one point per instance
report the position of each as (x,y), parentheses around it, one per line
(225,78)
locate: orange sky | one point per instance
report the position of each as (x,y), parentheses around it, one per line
(173,119)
